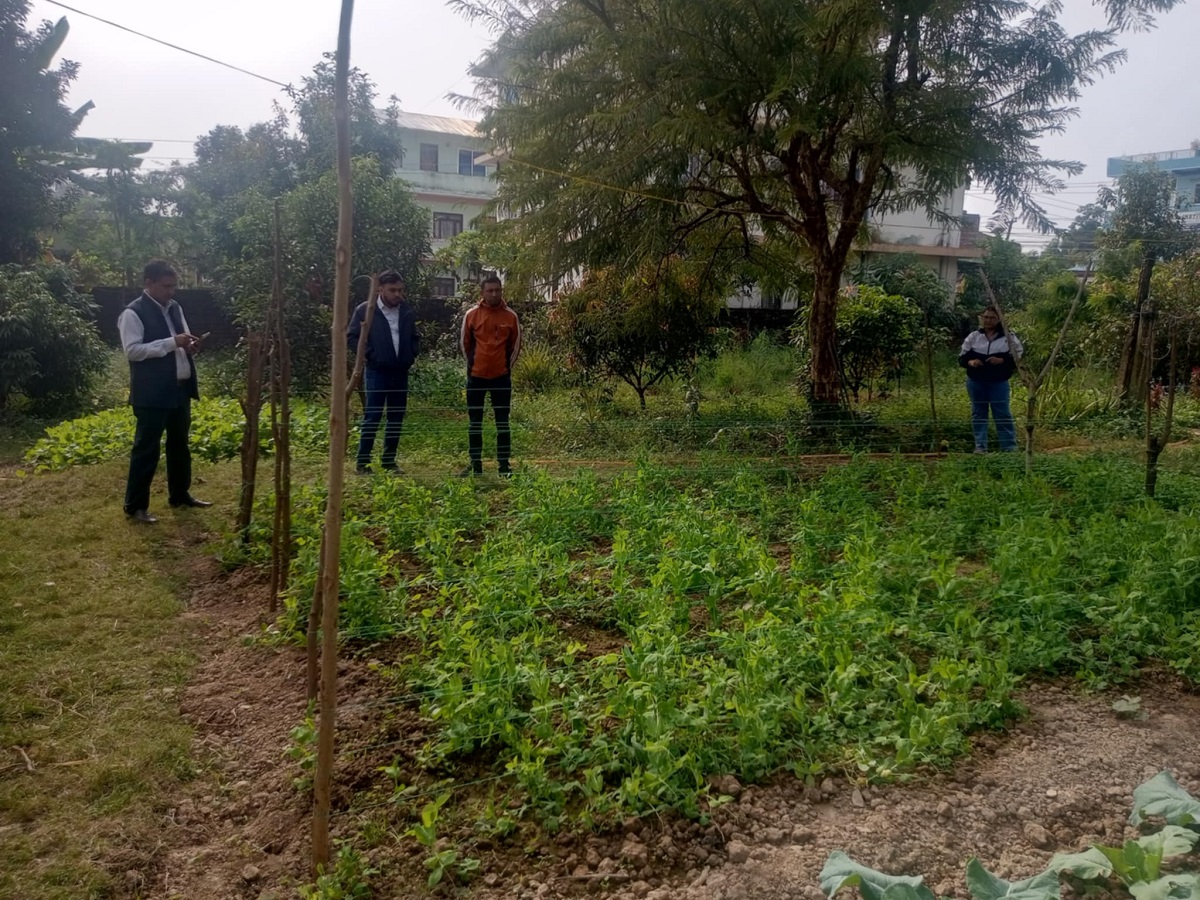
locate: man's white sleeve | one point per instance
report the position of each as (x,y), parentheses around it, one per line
(132,331)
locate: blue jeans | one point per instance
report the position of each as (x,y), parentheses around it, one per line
(993,395)
(386,389)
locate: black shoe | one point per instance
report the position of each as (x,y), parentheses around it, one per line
(361,470)
(191,502)
(393,469)
(506,472)
(141,515)
(470,471)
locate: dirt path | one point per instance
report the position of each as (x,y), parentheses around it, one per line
(1058,780)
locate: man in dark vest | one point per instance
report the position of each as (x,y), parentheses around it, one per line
(392,347)
(162,386)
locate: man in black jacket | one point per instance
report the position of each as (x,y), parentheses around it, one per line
(392,347)
(162,386)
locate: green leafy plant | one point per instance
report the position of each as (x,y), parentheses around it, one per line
(1136,866)
(303,751)
(1163,798)
(349,879)
(440,862)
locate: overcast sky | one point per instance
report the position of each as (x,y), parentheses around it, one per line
(419,50)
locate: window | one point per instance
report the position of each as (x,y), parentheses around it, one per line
(429,157)
(446,225)
(466,163)
(443,287)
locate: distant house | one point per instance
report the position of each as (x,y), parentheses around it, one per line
(449,166)
(445,167)
(1184,165)
(940,245)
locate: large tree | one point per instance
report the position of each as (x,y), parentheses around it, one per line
(1143,216)
(37,130)
(791,118)
(391,231)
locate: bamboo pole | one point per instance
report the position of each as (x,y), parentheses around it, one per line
(323,779)
(360,352)
(281,378)
(251,409)
(1155,444)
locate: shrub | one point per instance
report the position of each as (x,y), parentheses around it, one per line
(538,369)
(50,353)
(876,335)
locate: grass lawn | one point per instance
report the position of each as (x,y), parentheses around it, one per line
(92,657)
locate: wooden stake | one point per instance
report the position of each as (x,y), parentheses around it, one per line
(360,352)
(323,778)
(251,409)
(281,418)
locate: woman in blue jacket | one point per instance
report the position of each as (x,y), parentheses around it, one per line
(392,347)
(990,357)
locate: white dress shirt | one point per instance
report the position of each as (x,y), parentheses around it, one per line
(392,314)
(129,324)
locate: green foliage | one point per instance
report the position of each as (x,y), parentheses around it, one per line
(840,871)
(983,885)
(36,129)
(905,276)
(50,353)
(391,230)
(1136,866)
(1163,798)
(640,327)
(349,880)
(1143,211)
(608,645)
(216,434)
(1135,862)
(303,751)
(624,125)
(876,335)
(538,369)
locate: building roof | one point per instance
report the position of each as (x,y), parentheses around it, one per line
(438,124)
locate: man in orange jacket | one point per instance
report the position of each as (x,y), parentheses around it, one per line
(491,342)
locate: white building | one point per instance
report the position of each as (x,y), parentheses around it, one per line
(442,165)
(937,244)
(449,166)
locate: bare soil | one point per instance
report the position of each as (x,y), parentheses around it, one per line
(1059,779)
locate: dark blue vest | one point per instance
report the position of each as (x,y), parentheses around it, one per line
(154,382)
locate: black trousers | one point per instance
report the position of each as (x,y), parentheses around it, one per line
(152,423)
(500,390)
(384,390)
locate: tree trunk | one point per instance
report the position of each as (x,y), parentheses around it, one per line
(937,432)
(1155,444)
(330,558)
(1126,370)
(251,408)
(825,385)
(281,378)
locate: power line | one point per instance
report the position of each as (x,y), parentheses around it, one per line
(168,44)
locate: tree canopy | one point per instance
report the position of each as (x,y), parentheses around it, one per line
(785,119)
(37,130)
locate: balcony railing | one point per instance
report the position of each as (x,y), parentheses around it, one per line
(1165,155)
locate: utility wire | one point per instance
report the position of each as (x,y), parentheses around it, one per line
(168,44)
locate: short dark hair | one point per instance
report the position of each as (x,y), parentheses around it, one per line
(391,276)
(991,307)
(157,270)
(491,278)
